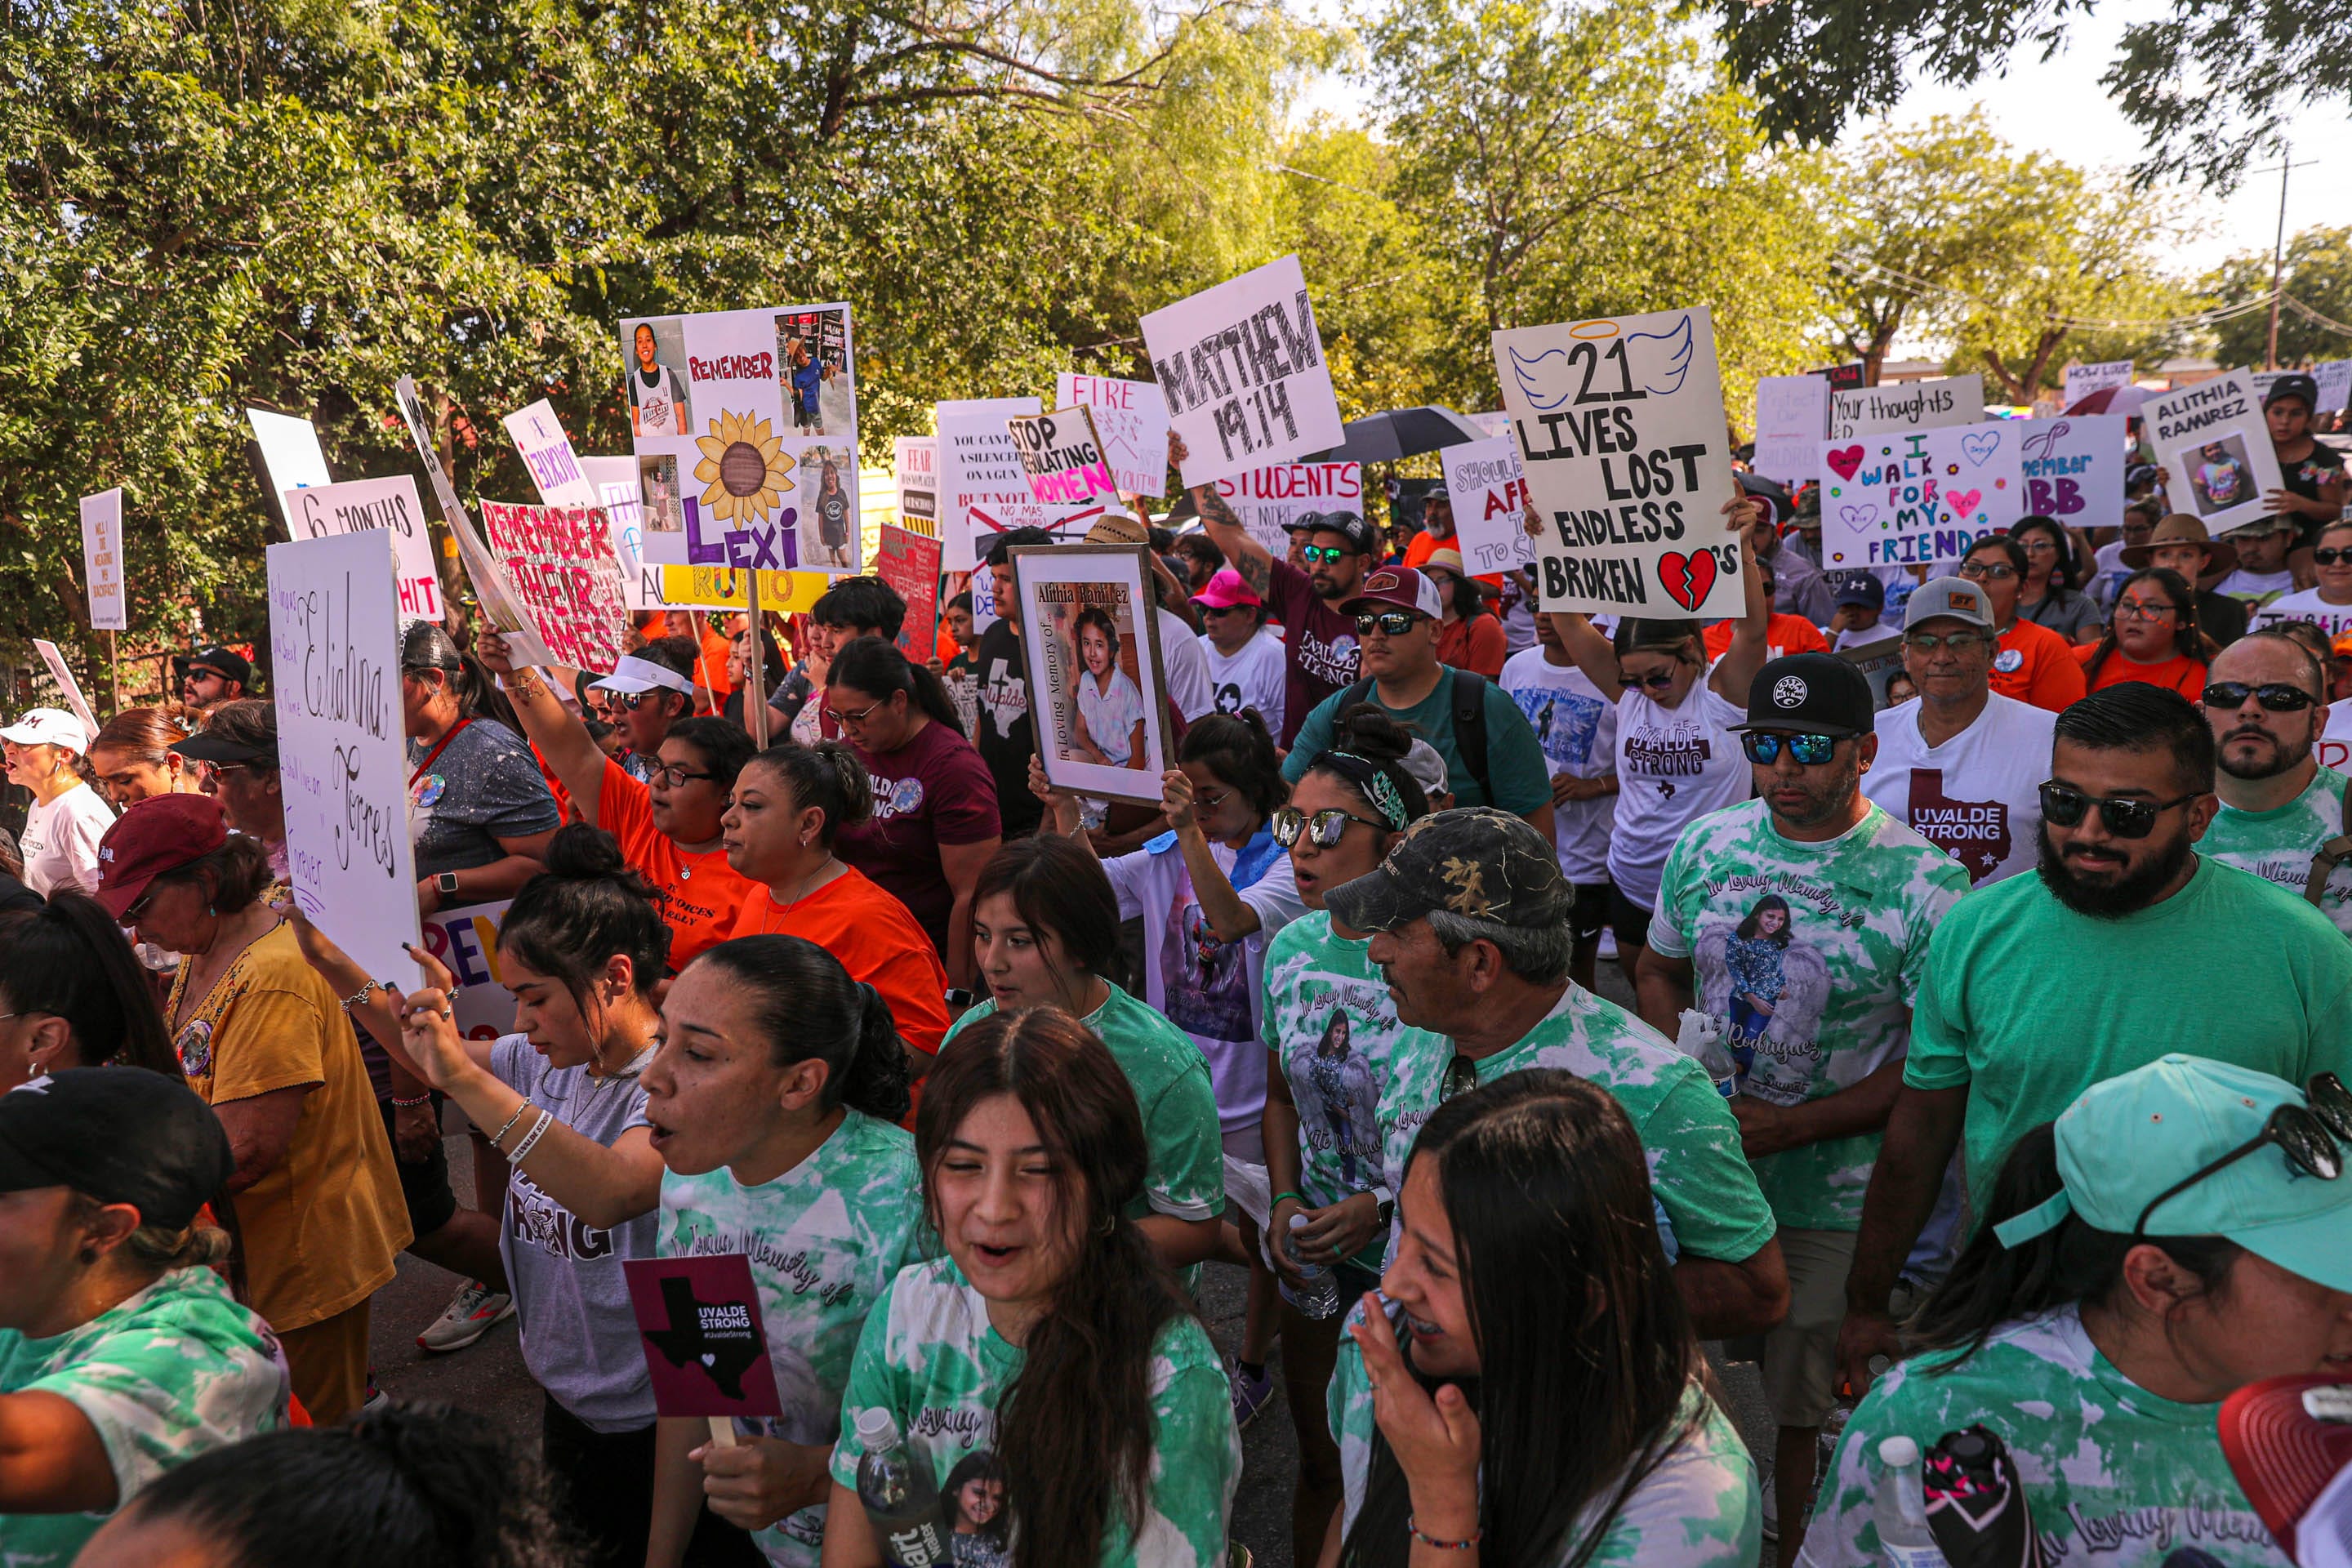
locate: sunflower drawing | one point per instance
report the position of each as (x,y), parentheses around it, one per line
(746,468)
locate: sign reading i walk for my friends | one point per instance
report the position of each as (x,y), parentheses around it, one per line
(1619,424)
(1242,368)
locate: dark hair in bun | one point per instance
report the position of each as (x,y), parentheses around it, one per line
(572,919)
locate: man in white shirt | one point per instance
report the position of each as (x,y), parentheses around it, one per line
(2261,574)
(1961,765)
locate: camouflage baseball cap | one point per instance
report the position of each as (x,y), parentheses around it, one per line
(1474,861)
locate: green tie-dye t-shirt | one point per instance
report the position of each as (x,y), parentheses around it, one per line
(1700,1508)
(825,1238)
(1810,954)
(930,1357)
(2114,1476)
(2276,845)
(176,1371)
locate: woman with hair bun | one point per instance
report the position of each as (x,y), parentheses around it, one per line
(72,995)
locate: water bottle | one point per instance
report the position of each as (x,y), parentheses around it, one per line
(1319,1297)
(900,1494)
(1899,1508)
(1701,1039)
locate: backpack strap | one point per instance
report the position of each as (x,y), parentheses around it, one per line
(1470,727)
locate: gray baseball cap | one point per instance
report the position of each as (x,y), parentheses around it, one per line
(1955,596)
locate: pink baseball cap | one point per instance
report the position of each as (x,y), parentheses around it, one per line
(1225,590)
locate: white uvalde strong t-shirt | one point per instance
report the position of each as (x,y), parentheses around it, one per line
(1674,764)
(1977,796)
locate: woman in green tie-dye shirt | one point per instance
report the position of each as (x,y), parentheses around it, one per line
(1050,1337)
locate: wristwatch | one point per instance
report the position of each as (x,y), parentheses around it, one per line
(445,884)
(1386,1200)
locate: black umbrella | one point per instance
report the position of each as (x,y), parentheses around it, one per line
(1396,433)
(1772,492)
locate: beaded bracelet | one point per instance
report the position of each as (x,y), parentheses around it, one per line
(1476,1537)
(538,1129)
(426,1098)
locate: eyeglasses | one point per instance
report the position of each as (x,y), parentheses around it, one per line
(2276,695)
(1959,642)
(1461,1078)
(1390,623)
(669,776)
(2066,805)
(1987,572)
(1324,829)
(2142,610)
(130,916)
(857,718)
(1810,751)
(2038,544)
(2309,1135)
(1324,554)
(1657,680)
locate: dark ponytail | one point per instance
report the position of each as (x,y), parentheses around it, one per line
(827,775)
(572,919)
(807,1007)
(1239,749)
(1684,639)
(1367,753)
(878,670)
(70,959)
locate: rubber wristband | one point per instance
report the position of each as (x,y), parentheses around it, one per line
(530,1139)
(1278,1198)
(1476,1537)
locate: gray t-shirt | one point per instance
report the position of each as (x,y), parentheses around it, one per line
(571,1300)
(484,787)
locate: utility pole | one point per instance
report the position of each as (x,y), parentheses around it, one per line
(2278,251)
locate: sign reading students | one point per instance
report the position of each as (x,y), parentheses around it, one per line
(1242,368)
(1619,424)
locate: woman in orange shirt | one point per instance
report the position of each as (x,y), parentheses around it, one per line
(1468,637)
(2152,637)
(790,801)
(2031,664)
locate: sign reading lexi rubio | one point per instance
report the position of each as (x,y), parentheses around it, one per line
(546,453)
(334,648)
(1490,505)
(2212,438)
(318,511)
(1131,417)
(1242,368)
(1062,455)
(101,561)
(1619,423)
(1913,498)
(559,561)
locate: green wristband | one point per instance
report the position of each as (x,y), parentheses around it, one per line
(1277,1201)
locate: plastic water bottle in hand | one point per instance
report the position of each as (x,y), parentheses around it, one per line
(1700,1039)
(1319,1297)
(1899,1508)
(900,1495)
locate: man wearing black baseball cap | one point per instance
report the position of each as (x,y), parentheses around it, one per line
(1797,924)
(215,675)
(2314,473)
(1470,924)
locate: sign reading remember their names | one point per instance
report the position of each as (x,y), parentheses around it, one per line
(101,561)
(910,564)
(1916,498)
(1619,423)
(64,676)
(1907,405)
(1490,505)
(546,453)
(2214,440)
(1062,457)
(1242,368)
(334,646)
(559,562)
(319,511)
(1792,415)
(1131,418)
(2073,469)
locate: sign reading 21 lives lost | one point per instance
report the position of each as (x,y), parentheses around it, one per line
(1619,424)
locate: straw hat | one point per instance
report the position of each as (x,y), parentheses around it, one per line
(2220,555)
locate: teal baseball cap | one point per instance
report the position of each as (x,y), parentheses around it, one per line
(2128,1143)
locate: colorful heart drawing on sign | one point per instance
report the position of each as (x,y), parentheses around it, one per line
(1844,460)
(1686,578)
(1920,496)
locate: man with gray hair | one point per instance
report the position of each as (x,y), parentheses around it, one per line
(1470,921)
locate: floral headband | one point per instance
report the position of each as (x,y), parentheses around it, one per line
(1391,790)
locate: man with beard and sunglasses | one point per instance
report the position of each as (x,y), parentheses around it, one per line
(2127,944)
(2267,702)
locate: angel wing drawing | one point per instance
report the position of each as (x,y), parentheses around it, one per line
(1660,359)
(1548,379)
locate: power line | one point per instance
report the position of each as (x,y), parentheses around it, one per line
(1864,269)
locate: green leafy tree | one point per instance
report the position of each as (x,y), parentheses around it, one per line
(2317,273)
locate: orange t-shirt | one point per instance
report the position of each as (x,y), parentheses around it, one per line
(2036,665)
(2181,672)
(1477,645)
(875,937)
(1783,636)
(1425,544)
(702,895)
(711,669)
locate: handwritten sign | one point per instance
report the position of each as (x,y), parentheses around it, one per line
(290,454)
(613,481)
(101,561)
(466,941)
(319,511)
(2334,379)
(1242,368)
(1909,405)
(1792,415)
(67,684)
(724,588)
(1490,505)
(1062,457)
(2074,469)
(334,647)
(1268,500)
(559,562)
(706,1346)
(979,465)
(546,453)
(2214,439)
(910,564)
(1131,418)
(1619,423)
(2082,380)
(1914,497)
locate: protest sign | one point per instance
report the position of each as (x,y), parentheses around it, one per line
(2334,379)
(1907,405)
(101,561)
(1490,505)
(613,481)
(2082,380)
(706,1347)
(915,463)
(1062,457)
(1267,501)
(1880,661)
(983,488)
(1913,498)
(319,511)
(498,604)
(546,453)
(1132,420)
(2073,469)
(1097,690)
(1619,424)
(910,564)
(466,941)
(1242,368)
(1792,415)
(334,649)
(1843,377)
(559,562)
(2214,439)
(68,685)
(290,454)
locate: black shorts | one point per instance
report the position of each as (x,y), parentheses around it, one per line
(423,1186)
(1591,910)
(1629,919)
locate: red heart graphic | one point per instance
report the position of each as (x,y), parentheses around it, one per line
(1686,578)
(1963,502)
(1845,460)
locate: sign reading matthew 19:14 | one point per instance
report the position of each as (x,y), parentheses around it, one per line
(1619,423)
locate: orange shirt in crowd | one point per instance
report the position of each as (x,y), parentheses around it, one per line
(2180,673)
(702,895)
(875,937)
(1784,635)
(1424,545)
(1476,644)
(710,670)
(2034,664)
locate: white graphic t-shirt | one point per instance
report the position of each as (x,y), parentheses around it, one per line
(2258,589)
(59,844)
(1673,765)
(656,395)
(2307,606)
(1977,796)
(1577,728)
(1186,670)
(1252,677)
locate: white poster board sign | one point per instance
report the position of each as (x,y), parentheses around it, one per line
(546,453)
(319,511)
(2074,469)
(1268,500)
(1131,418)
(1907,405)
(290,454)
(979,465)
(68,685)
(2082,380)
(334,647)
(1792,415)
(2213,439)
(1242,368)
(1619,423)
(1062,457)
(915,469)
(614,484)
(1917,498)
(101,561)
(1490,505)
(2334,379)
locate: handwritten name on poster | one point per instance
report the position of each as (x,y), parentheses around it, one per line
(334,647)
(1131,418)
(1793,414)
(1268,500)
(1916,498)
(560,563)
(321,511)
(1619,424)
(546,453)
(1062,457)
(2074,469)
(1490,505)
(2214,440)
(1242,368)
(1907,405)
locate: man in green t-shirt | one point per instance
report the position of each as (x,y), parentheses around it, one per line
(2266,699)
(2126,945)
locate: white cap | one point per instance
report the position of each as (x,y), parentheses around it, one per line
(48,727)
(631,674)
(1427,769)
(877,1429)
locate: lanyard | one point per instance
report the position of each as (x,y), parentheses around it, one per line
(436,751)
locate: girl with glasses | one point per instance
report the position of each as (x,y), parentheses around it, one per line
(2031,664)
(2048,595)
(2153,636)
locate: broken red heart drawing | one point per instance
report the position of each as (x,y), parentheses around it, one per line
(1686,578)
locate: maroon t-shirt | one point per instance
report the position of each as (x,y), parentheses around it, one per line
(1322,644)
(933,790)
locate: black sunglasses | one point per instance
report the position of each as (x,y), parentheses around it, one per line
(2066,805)
(1461,1078)
(2330,557)
(2276,695)
(1391,623)
(2311,1136)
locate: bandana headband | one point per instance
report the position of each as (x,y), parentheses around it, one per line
(1381,784)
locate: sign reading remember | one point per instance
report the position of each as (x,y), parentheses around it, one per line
(559,561)
(1242,368)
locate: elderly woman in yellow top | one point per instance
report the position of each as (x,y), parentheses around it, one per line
(265,1042)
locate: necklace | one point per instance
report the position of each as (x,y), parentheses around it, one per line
(806,884)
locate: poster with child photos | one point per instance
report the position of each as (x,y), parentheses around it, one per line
(1097,690)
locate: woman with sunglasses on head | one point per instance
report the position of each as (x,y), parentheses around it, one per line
(2179,1233)
(1049,1335)
(1527,1389)
(935,820)
(1676,757)
(133,756)
(2152,638)
(2049,594)
(72,995)
(2031,663)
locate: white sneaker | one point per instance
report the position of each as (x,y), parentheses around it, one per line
(474,1312)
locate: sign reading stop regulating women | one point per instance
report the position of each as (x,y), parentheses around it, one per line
(1618,422)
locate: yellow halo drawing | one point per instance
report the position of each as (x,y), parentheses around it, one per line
(745,466)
